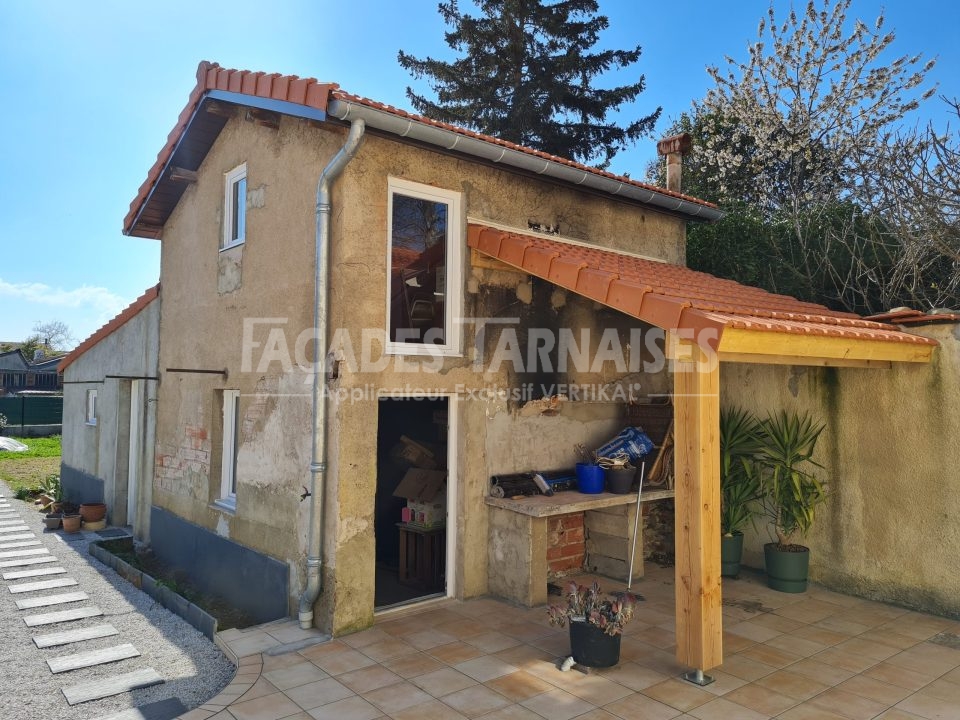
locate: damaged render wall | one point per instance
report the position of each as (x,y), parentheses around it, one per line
(211,297)
(890,452)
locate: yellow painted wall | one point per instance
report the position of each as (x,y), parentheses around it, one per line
(890,529)
(208,294)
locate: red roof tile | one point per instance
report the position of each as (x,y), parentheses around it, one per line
(347,97)
(313,93)
(672,296)
(120,320)
(210,76)
(907,316)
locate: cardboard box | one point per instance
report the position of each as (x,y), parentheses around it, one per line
(426,494)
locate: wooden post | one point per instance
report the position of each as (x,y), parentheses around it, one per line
(696,383)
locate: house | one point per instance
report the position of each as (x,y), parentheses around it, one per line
(478,308)
(18,374)
(109,401)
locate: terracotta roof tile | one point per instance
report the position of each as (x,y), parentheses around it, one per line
(359,99)
(672,296)
(313,93)
(119,321)
(210,76)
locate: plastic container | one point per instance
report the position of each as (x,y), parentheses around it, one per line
(592,647)
(590,478)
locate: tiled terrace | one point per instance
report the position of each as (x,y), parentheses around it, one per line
(815,656)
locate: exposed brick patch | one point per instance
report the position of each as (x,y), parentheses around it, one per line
(565,544)
(658,531)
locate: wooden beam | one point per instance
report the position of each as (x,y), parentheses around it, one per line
(480,260)
(221,109)
(699,626)
(178,174)
(823,348)
(794,360)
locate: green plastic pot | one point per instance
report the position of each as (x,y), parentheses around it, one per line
(787,570)
(731,550)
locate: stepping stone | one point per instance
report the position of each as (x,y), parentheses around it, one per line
(72,636)
(163,710)
(21,543)
(46,600)
(94,657)
(97,689)
(62,616)
(42,585)
(20,562)
(24,553)
(36,572)
(21,536)
(15,528)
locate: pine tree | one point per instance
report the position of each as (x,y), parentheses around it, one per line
(526,75)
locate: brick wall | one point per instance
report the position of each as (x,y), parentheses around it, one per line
(565,544)
(658,531)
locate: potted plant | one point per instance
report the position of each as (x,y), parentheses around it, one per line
(52,491)
(71,518)
(596,623)
(790,496)
(620,473)
(739,484)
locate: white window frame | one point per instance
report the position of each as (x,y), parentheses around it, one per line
(91,406)
(231,446)
(234,210)
(453,302)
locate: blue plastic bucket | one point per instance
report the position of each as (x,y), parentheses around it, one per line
(590,478)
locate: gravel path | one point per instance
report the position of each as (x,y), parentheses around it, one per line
(193,667)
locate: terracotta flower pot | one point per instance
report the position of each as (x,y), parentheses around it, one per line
(93,512)
(71,523)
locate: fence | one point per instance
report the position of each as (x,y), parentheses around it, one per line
(25,410)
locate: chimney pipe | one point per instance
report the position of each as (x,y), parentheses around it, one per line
(674,148)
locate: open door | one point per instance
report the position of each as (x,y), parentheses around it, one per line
(411,521)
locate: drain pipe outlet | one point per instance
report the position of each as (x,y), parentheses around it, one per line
(321,302)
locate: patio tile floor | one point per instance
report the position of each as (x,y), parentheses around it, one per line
(818,655)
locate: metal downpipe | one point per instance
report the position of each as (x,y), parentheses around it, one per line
(321,302)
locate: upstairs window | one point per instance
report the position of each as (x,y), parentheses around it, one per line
(424,287)
(235,207)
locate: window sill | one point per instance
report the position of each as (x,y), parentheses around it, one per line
(91,423)
(234,245)
(228,505)
(422,350)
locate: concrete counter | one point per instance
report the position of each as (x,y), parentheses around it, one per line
(518,537)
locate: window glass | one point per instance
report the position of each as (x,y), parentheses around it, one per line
(418,270)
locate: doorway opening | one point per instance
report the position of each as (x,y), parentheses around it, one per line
(411,518)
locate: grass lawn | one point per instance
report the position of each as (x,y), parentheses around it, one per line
(27,469)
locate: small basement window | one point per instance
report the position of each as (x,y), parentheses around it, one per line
(235,207)
(425,286)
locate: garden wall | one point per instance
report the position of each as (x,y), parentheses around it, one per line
(891,456)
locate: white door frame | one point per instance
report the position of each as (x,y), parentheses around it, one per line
(450,567)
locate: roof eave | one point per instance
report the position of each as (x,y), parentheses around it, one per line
(136,228)
(450,141)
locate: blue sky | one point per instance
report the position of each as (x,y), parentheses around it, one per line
(90,91)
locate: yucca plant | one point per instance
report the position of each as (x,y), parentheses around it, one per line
(791,493)
(739,478)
